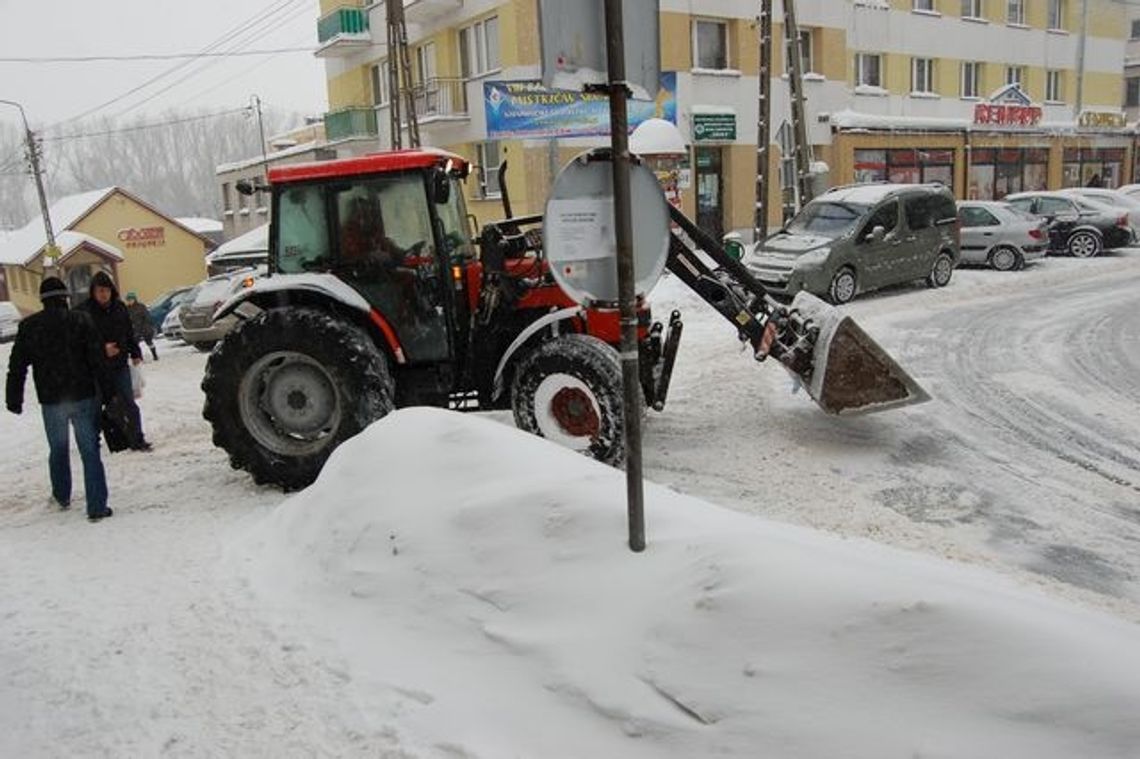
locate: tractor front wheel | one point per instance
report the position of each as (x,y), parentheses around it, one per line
(287,387)
(569,390)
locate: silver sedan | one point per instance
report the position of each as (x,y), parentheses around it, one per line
(998,235)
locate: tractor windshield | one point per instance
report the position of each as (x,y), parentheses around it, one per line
(302,242)
(456,235)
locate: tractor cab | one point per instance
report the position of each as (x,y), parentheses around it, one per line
(389,226)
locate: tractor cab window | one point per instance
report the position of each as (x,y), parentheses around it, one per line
(456,235)
(386,250)
(302,230)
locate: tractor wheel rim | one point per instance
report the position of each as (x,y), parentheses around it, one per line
(289,403)
(1004,260)
(567,412)
(574,411)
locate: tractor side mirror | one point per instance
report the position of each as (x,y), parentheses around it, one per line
(440,186)
(244,186)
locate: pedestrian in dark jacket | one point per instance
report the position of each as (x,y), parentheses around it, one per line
(65,354)
(141,323)
(113,323)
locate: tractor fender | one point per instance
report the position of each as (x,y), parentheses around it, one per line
(533,329)
(321,284)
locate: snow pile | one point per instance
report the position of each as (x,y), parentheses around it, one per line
(476,584)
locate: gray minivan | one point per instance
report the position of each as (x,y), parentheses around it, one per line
(859,238)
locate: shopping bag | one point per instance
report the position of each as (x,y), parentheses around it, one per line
(138,382)
(118,431)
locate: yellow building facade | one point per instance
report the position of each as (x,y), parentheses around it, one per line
(108,230)
(985,96)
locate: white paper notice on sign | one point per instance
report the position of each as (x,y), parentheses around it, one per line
(580,229)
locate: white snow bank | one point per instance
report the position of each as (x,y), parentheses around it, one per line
(476,583)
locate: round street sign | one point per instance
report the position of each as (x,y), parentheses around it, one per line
(578,229)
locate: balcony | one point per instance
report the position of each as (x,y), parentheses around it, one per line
(427,11)
(350,123)
(441,99)
(342,32)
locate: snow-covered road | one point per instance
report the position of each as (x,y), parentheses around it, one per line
(1028,458)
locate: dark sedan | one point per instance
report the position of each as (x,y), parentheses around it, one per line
(1078,226)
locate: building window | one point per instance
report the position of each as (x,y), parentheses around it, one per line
(806,51)
(1053,92)
(868,70)
(922,75)
(227,198)
(905,165)
(972,9)
(971,76)
(711,44)
(380,83)
(1136,29)
(487,155)
(923,5)
(1015,75)
(1132,92)
(479,48)
(1056,14)
(425,63)
(1015,11)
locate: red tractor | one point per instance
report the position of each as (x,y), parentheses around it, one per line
(379,296)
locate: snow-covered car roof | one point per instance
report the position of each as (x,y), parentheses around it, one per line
(869,194)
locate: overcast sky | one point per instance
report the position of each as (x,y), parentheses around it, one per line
(54,92)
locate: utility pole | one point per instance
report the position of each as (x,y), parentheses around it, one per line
(51,254)
(627,302)
(795,66)
(763,123)
(255,104)
(401,96)
(1082,40)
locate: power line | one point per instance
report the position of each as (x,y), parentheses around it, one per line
(140,127)
(154,57)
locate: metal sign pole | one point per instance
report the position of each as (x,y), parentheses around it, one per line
(623,228)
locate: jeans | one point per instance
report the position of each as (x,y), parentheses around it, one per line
(121,381)
(84,417)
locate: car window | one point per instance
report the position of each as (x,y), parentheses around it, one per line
(1054,206)
(826,218)
(976,216)
(927,209)
(1022,204)
(885,216)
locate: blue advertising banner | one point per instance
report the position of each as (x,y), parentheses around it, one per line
(526,109)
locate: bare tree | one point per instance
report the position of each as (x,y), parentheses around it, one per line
(15,179)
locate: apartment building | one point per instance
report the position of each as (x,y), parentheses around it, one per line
(981,95)
(1132,66)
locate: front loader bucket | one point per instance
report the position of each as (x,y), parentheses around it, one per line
(850,373)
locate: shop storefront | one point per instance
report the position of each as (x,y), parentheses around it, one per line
(997,172)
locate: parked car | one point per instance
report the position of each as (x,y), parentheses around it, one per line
(1131,190)
(197,316)
(9,320)
(998,235)
(859,238)
(165,303)
(1078,226)
(1118,200)
(172,324)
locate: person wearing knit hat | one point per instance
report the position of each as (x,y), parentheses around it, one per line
(65,355)
(113,323)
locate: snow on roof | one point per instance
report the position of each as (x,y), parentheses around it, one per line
(513,611)
(24,244)
(299,149)
(721,110)
(867,194)
(255,240)
(70,242)
(199,224)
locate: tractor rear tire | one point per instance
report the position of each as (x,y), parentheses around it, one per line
(285,388)
(569,390)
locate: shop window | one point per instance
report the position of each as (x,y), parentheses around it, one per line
(1015,12)
(488,158)
(922,76)
(971,79)
(905,165)
(1056,14)
(972,9)
(711,44)
(868,70)
(1053,92)
(1098,167)
(997,172)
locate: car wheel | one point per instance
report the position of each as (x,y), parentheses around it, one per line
(285,388)
(941,270)
(1084,244)
(1005,259)
(205,346)
(843,286)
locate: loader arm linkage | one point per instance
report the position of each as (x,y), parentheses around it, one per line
(842,368)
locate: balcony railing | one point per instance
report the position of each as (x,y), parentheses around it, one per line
(350,122)
(441,98)
(342,30)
